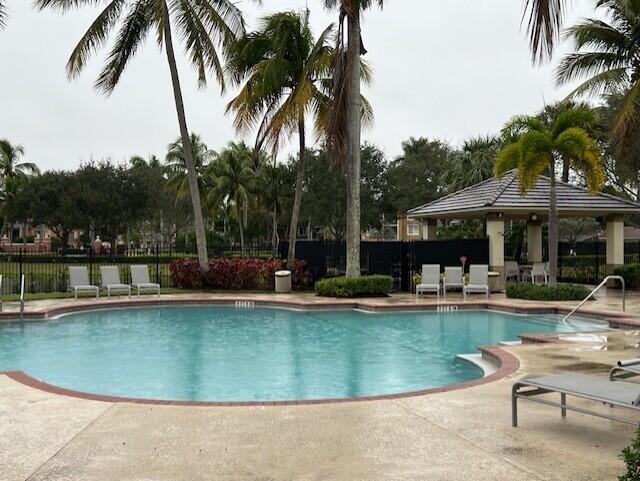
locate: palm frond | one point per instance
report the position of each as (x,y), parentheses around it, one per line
(544,20)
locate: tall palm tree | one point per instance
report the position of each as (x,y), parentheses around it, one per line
(533,149)
(606,58)
(203,25)
(473,164)
(13,171)
(284,70)
(344,124)
(234,178)
(176,166)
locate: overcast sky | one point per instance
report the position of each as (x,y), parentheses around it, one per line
(450,70)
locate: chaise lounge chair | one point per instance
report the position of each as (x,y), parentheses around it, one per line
(453,278)
(430,280)
(625,370)
(79,281)
(592,388)
(478,281)
(140,280)
(111,280)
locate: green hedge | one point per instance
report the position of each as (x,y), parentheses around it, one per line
(369,286)
(535,292)
(631,274)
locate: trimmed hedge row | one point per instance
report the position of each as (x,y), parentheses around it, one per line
(535,292)
(367,286)
(234,274)
(631,275)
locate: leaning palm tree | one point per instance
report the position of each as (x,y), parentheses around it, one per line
(203,25)
(233,179)
(344,126)
(176,166)
(534,149)
(606,58)
(284,71)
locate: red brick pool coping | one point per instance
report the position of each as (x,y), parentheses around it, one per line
(508,363)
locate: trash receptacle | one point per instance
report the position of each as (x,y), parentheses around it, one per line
(283,281)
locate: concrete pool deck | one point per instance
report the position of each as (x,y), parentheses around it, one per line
(457,435)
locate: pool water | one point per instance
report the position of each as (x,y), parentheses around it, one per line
(205,353)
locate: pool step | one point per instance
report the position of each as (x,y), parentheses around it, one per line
(510,343)
(487,366)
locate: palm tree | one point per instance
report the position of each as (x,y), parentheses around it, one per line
(473,164)
(345,118)
(3,14)
(13,172)
(203,25)
(284,69)
(606,56)
(233,179)
(176,166)
(533,149)
(544,19)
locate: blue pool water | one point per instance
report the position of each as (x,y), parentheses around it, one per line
(209,353)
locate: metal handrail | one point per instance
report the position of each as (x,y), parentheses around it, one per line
(0,292)
(591,294)
(22,297)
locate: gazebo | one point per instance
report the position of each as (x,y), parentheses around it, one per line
(499,199)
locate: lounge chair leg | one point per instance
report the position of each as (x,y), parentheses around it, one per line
(563,401)
(514,406)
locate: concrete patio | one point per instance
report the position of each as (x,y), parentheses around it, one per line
(457,435)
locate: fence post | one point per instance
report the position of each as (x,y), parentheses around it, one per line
(157,264)
(90,263)
(20,263)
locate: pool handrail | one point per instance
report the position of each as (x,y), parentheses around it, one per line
(592,293)
(22,296)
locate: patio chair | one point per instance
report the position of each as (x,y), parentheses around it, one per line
(625,370)
(539,271)
(111,280)
(140,280)
(512,271)
(478,281)
(430,280)
(453,278)
(592,388)
(79,281)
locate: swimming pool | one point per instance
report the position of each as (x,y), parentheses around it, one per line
(214,353)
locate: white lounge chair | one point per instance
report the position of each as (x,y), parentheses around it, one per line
(430,280)
(111,280)
(79,281)
(512,271)
(140,280)
(539,271)
(453,278)
(478,281)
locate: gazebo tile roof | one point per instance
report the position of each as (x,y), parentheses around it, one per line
(504,194)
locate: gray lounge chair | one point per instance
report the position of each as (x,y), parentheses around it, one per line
(430,280)
(620,394)
(79,281)
(140,280)
(453,278)
(512,271)
(625,370)
(478,281)
(111,280)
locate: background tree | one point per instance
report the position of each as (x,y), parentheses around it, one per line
(606,56)
(533,149)
(344,125)
(203,25)
(234,179)
(283,69)
(473,164)
(177,171)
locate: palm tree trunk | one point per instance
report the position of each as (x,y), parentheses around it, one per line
(297,199)
(565,171)
(553,228)
(353,166)
(192,175)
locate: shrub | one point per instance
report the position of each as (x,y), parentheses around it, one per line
(535,292)
(369,286)
(631,274)
(234,274)
(631,458)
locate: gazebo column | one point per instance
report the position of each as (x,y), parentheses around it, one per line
(615,242)
(534,241)
(429,229)
(495,233)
